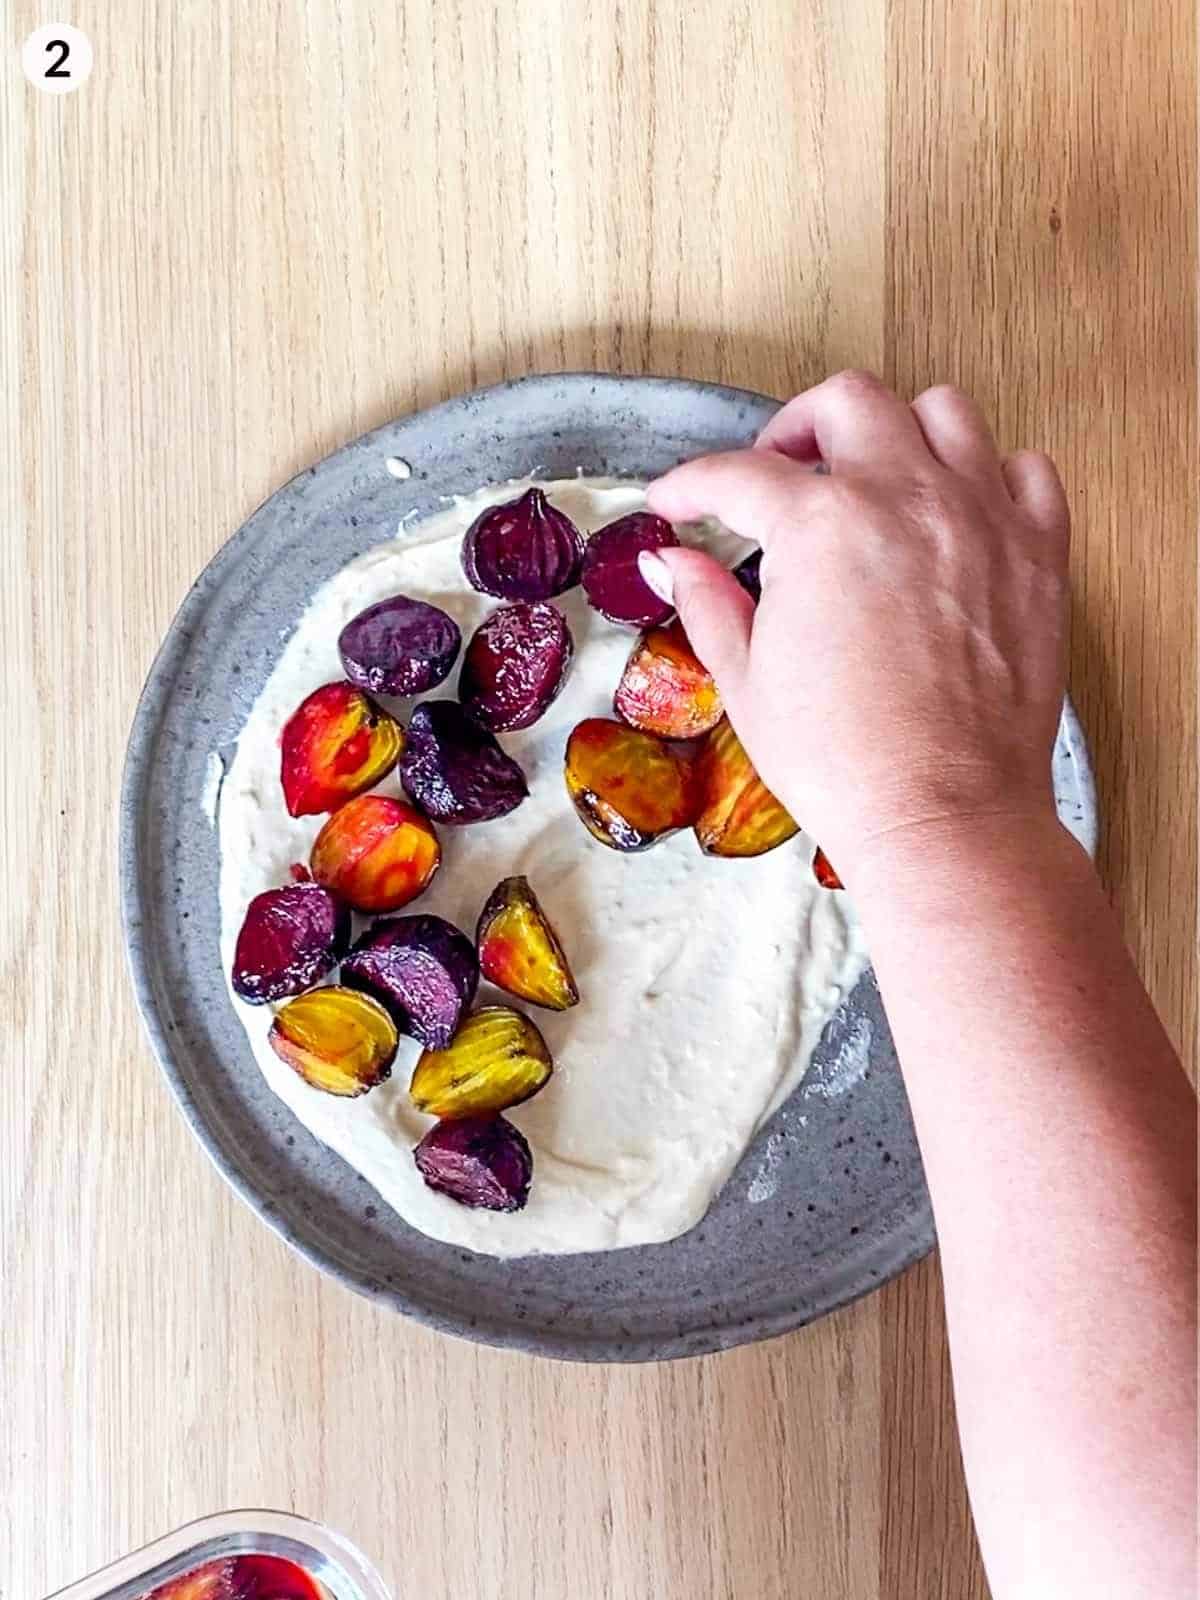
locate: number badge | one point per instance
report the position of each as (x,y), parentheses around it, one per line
(57,58)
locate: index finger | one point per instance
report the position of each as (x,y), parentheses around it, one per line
(852,420)
(756,493)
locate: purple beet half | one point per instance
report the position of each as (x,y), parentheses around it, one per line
(747,574)
(399,646)
(455,770)
(482,1162)
(611,579)
(289,940)
(515,665)
(421,969)
(522,550)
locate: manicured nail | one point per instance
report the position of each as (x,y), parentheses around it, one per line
(656,575)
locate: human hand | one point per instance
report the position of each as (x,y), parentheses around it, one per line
(904,667)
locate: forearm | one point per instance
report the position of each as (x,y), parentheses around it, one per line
(915,593)
(1058,1136)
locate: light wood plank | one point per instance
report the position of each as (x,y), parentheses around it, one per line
(1041,254)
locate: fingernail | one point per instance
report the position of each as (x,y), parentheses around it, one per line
(656,575)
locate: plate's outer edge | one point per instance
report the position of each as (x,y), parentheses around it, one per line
(830,1200)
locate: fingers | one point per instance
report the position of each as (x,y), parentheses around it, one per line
(851,421)
(716,612)
(792,432)
(957,433)
(1033,482)
(757,493)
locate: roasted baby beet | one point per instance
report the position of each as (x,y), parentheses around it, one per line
(520,952)
(495,1060)
(422,969)
(824,873)
(610,576)
(335,745)
(249,1577)
(483,1162)
(399,646)
(376,853)
(739,815)
(629,789)
(455,770)
(522,550)
(212,1581)
(664,688)
(337,1039)
(515,665)
(747,574)
(258,1577)
(289,940)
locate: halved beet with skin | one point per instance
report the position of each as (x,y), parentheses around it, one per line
(515,665)
(739,816)
(212,1581)
(519,950)
(824,871)
(337,1040)
(336,744)
(455,770)
(376,853)
(665,689)
(482,1162)
(399,646)
(289,940)
(525,549)
(497,1059)
(245,1577)
(629,788)
(422,969)
(610,576)
(262,1577)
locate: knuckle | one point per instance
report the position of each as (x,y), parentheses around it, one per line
(1046,582)
(944,397)
(853,382)
(725,469)
(932,500)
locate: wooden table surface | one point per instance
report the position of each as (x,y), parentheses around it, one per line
(258,230)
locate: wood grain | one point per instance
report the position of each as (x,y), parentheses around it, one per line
(260,229)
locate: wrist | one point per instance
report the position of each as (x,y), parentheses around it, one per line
(929,867)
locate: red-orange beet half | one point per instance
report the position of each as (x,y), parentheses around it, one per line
(739,815)
(629,788)
(824,873)
(335,745)
(665,689)
(376,853)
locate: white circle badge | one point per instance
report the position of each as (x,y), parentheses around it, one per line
(57,58)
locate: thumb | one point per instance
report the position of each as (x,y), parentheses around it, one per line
(716,612)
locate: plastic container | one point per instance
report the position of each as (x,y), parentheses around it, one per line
(333,1561)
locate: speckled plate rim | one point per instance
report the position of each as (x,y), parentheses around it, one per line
(880,1256)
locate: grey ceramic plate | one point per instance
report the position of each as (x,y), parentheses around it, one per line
(829,1201)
